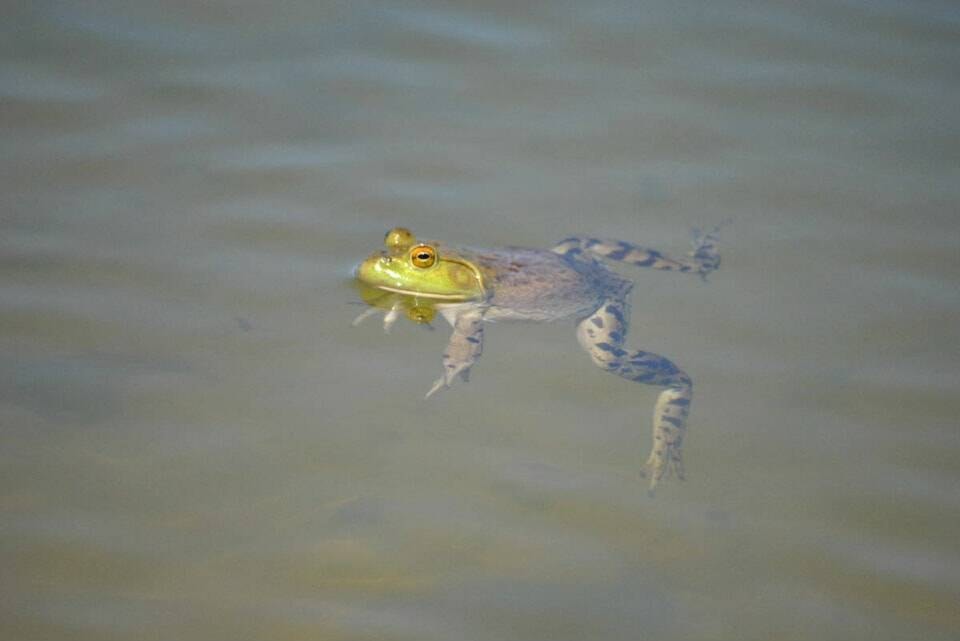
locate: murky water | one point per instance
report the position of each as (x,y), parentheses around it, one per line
(197,445)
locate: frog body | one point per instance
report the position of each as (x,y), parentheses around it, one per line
(567,282)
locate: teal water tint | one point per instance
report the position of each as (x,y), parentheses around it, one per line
(198,445)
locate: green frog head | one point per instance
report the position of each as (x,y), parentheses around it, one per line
(422,269)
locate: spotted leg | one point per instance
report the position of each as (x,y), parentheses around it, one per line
(602,335)
(702,259)
(463,350)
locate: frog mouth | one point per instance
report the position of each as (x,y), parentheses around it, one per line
(408,292)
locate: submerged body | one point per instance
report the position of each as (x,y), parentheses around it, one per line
(569,281)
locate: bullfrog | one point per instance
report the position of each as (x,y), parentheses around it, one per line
(569,281)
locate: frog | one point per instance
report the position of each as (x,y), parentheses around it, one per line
(571,281)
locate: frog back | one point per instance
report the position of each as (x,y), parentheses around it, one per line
(539,285)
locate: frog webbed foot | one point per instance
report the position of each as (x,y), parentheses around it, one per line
(463,350)
(661,465)
(704,253)
(665,460)
(669,425)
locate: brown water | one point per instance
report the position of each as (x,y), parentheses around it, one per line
(197,445)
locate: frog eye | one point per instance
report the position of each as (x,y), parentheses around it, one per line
(423,256)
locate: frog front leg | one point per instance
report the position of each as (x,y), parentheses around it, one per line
(602,335)
(463,350)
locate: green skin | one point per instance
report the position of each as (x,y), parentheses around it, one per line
(568,281)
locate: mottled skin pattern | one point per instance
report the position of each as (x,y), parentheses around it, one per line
(565,282)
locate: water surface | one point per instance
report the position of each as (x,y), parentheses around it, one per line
(197,445)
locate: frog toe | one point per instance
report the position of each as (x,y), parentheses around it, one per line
(438,385)
(448,378)
(665,460)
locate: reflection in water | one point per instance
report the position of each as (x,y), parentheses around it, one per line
(419,310)
(197,445)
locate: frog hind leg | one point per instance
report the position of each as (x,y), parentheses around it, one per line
(703,258)
(463,350)
(602,335)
